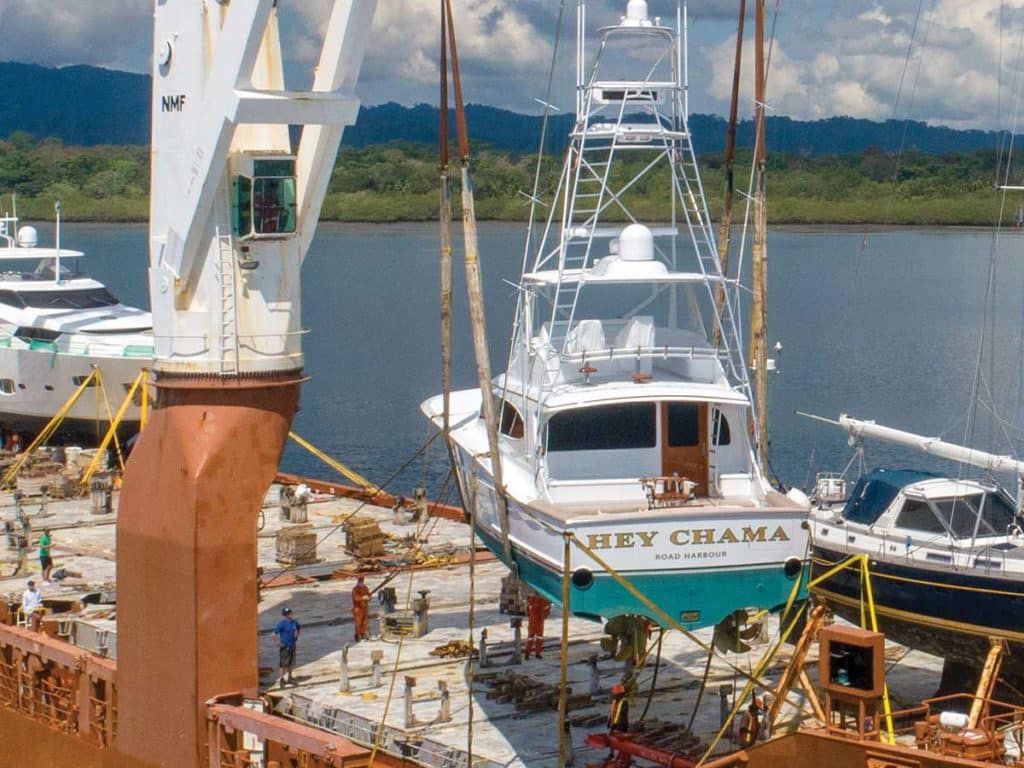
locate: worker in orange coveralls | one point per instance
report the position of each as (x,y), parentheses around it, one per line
(361,609)
(537,609)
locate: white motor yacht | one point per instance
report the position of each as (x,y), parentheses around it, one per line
(623,421)
(56,325)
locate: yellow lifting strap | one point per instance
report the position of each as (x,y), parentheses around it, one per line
(93,379)
(115,421)
(863,562)
(337,466)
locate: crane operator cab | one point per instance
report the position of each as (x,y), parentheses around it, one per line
(263,196)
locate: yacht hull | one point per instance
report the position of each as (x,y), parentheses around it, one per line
(41,381)
(695,564)
(950,614)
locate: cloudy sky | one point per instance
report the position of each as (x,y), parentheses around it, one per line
(830,57)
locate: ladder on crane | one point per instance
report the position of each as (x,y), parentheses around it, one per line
(228,306)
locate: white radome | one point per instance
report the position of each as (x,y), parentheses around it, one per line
(636,243)
(636,10)
(28,237)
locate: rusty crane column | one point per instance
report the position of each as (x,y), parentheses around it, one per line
(233,210)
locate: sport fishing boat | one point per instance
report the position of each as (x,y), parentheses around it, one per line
(56,325)
(626,413)
(945,554)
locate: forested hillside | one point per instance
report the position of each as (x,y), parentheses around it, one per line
(399,181)
(89,106)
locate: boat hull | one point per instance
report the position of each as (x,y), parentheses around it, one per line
(685,565)
(44,380)
(948,614)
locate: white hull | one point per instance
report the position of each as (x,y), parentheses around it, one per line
(44,380)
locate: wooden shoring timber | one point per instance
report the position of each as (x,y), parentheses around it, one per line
(987,681)
(794,671)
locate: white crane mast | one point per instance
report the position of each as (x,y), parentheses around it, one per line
(235,207)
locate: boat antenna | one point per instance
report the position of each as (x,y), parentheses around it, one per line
(56,264)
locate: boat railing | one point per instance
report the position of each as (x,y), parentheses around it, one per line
(240,733)
(699,364)
(59,685)
(637,353)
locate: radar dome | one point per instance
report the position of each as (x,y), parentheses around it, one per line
(636,10)
(28,237)
(636,243)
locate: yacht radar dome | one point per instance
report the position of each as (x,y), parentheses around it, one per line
(28,237)
(636,243)
(636,14)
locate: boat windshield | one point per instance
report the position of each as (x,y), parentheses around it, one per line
(975,515)
(78,298)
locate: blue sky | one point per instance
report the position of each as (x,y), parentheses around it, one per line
(831,57)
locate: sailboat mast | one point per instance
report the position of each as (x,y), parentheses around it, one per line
(759,254)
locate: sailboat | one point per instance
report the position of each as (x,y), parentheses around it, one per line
(945,554)
(625,413)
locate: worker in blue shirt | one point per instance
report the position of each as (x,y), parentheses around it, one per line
(287,631)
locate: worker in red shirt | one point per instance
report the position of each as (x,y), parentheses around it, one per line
(537,609)
(361,610)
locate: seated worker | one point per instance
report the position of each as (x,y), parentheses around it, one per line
(32,606)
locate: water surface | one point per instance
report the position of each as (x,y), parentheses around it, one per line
(885,326)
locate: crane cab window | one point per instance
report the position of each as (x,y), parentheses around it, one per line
(263,204)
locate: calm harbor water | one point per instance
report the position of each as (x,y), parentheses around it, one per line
(884,326)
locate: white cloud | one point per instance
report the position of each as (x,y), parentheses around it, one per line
(834,57)
(849,59)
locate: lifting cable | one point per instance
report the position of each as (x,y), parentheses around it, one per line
(140,382)
(364,503)
(337,466)
(445,221)
(725,226)
(863,562)
(94,379)
(474,281)
(379,735)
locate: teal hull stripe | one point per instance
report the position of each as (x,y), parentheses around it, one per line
(693,598)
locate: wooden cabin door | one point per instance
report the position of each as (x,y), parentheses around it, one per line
(684,442)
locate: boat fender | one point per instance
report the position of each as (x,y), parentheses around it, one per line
(798,497)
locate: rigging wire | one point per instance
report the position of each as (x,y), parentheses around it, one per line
(986,342)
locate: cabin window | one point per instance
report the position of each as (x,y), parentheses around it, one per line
(997,515)
(960,514)
(80,380)
(604,427)
(511,421)
(79,298)
(917,515)
(721,430)
(6,386)
(263,205)
(11,299)
(683,425)
(27,333)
